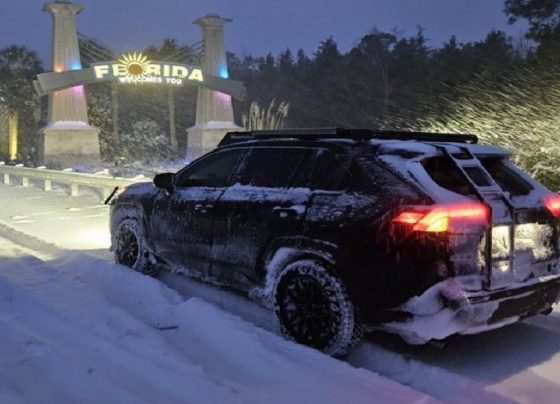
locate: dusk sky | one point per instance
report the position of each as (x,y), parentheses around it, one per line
(259,26)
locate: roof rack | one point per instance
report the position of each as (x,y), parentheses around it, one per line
(345,133)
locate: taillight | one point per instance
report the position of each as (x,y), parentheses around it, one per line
(552,203)
(439,218)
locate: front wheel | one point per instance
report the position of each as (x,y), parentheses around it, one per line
(130,247)
(314,309)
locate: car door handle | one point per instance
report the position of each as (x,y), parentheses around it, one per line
(201,208)
(284,213)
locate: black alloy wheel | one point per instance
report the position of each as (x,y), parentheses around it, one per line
(306,311)
(130,247)
(127,247)
(313,308)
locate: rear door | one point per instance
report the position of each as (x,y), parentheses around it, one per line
(259,206)
(518,250)
(182,222)
(535,237)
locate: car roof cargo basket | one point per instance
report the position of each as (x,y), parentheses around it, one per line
(345,133)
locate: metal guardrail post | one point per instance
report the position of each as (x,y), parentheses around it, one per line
(74,189)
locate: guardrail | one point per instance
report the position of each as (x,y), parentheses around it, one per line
(74,180)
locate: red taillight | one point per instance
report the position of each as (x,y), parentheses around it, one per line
(437,218)
(409,217)
(552,203)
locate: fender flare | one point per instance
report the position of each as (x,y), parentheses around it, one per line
(128,210)
(282,252)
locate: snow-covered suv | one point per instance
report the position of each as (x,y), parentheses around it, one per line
(340,231)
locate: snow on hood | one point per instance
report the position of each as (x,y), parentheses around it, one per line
(140,188)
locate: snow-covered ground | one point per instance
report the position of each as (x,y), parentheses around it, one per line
(78,328)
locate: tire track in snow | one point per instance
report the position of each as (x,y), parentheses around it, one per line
(29,241)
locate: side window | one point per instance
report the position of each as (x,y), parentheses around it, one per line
(321,169)
(269,166)
(212,171)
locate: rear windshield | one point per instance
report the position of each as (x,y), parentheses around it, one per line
(445,173)
(505,177)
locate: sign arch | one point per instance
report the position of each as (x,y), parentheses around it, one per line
(135,68)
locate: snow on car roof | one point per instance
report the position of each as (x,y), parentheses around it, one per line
(429,148)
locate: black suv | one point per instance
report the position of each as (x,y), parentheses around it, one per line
(345,230)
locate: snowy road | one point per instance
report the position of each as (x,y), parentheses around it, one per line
(520,363)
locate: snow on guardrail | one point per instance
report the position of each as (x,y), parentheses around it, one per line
(99,181)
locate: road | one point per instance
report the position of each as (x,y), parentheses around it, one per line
(519,363)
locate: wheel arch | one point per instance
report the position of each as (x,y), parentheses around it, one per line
(342,327)
(286,250)
(124,211)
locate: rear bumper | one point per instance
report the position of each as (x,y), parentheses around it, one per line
(446,309)
(522,302)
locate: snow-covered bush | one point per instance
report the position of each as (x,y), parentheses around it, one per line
(147,143)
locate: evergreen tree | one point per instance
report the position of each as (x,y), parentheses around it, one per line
(543,17)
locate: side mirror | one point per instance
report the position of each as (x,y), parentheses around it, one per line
(164,181)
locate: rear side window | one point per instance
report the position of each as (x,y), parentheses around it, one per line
(505,177)
(321,169)
(269,166)
(378,178)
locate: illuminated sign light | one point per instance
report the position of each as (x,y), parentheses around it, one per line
(224,73)
(135,68)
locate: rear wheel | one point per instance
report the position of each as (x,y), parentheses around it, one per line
(314,309)
(130,247)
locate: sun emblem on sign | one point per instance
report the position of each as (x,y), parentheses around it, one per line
(134,63)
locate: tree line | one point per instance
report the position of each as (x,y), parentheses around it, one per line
(503,89)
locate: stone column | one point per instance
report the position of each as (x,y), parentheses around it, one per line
(214,111)
(13,122)
(4,131)
(68,139)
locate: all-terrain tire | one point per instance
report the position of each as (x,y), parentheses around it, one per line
(314,309)
(130,247)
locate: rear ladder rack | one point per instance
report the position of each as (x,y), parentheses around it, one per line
(492,196)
